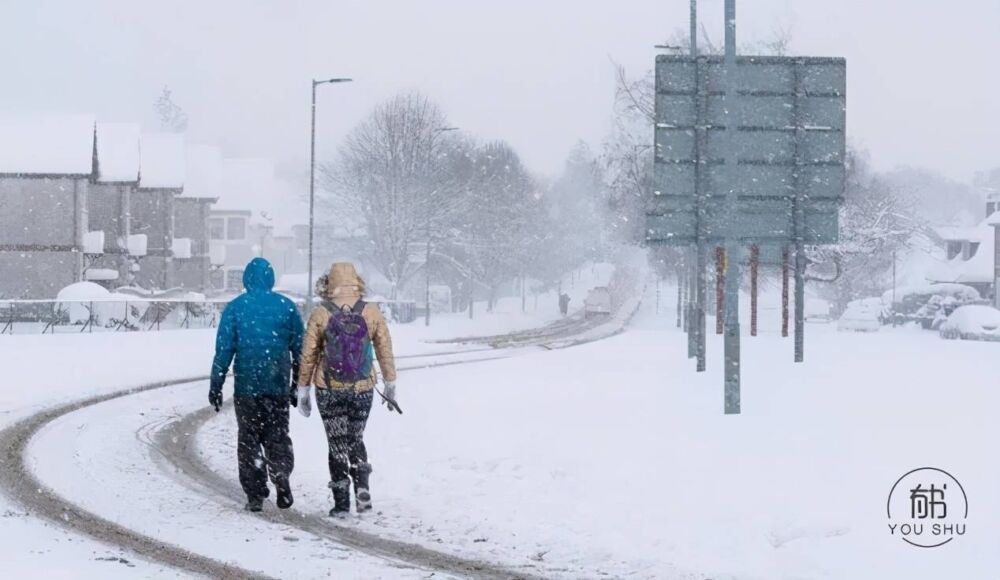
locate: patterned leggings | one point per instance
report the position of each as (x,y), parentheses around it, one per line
(345,414)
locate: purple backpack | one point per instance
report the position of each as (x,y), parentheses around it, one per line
(349,352)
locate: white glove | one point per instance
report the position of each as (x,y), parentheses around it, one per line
(389,397)
(305,402)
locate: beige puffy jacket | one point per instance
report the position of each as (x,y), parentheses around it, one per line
(344,287)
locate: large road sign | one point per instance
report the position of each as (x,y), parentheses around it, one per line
(789,142)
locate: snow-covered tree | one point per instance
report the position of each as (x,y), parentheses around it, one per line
(577,206)
(627,157)
(172,117)
(393,175)
(496,238)
(877,221)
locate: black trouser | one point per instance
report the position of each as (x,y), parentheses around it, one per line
(345,414)
(263,444)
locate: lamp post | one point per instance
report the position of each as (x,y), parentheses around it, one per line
(312,184)
(427,257)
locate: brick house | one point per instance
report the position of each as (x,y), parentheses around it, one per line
(46,167)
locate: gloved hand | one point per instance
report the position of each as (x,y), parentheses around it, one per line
(215,398)
(389,390)
(305,403)
(389,396)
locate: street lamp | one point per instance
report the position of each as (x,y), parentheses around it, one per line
(312,185)
(427,258)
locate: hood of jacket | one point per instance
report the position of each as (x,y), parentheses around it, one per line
(258,276)
(343,284)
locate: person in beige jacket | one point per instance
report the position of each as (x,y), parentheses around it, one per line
(344,404)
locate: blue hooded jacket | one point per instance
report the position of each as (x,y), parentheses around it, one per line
(263,331)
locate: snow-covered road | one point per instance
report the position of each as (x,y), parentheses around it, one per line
(103,458)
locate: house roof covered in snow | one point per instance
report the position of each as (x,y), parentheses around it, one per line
(47,145)
(117,152)
(161,161)
(958,233)
(978,268)
(203,176)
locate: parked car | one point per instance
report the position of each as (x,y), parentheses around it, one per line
(597,302)
(865,315)
(929,304)
(972,322)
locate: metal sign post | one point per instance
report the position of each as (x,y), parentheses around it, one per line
(754,274)
(732,255)
(748,151)
(700,139)
(784,292)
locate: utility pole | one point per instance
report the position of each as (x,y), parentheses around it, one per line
(310,292)
(894,276)
(427,273)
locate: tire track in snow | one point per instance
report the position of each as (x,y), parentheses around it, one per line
(23,487)
(175,443)
(26,489)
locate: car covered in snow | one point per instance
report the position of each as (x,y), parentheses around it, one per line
(928,305)
(597,302)
(865,315)
(972,322)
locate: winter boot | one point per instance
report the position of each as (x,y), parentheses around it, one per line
(362,495)
(285,499)
(341,498)
(254,504)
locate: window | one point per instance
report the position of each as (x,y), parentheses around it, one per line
(217,228)
(217,278)
(234,280)
(237,229)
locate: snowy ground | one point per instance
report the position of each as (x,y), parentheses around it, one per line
(607,459)
(44,370)
(613,458)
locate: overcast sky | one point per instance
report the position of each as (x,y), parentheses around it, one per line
(923,80)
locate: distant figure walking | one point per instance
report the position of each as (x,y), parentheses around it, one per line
(343,336)
(262,330)
(564,304)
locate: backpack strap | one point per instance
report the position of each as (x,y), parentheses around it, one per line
(359,306)
(330,306)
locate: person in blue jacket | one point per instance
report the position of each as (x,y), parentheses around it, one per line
(262,330)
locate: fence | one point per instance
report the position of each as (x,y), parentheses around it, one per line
(52,316)
(61,316)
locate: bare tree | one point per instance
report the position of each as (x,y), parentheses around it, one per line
(495,239)
(392,175)
(877,220)
(172,117)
